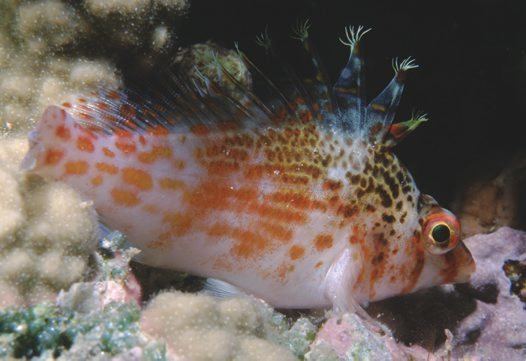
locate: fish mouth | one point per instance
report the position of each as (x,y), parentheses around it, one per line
(465,263)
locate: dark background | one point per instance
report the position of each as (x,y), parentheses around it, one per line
(471,82)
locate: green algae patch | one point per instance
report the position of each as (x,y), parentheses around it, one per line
(49,330)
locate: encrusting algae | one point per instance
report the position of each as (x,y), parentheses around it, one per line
(299,201)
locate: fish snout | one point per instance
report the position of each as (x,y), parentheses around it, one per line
(29,163)
(465,263)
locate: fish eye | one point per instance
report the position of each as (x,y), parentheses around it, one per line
(441,234)
(441,231)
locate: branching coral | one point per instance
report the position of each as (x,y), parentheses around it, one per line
(47,233)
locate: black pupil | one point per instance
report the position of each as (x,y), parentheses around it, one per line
(441,233)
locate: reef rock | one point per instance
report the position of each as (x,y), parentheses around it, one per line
(486,318)
(349,337)
(496,329)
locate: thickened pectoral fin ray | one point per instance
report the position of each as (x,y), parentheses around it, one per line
(399,131)
(349,90)
(339,283)
(381,111)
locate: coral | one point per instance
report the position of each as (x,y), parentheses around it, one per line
(50,49)
(47,233)
(201,328)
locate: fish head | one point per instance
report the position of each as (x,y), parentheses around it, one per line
(48,143)
(446,258)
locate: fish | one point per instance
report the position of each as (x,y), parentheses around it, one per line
(299,201)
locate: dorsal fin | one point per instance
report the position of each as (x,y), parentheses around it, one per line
(399,131)
(182,103)
(320,81)
(381,110)
(349,90)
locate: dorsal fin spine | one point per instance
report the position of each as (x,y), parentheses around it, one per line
(381,110)
(301,33)
(349,90)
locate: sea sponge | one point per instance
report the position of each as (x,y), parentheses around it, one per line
(47,232)
(200,327)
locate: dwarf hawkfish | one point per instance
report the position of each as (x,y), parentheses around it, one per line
(299,201)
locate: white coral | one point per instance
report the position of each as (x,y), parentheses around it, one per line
(199,327)
(47,47)
(47,232)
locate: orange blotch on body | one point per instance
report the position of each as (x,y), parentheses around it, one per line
(157,152)
(85,145)
(108,153)
(76,168)
(137,178)
(171,183)
(323,241)
(249,244)
(296,252)
(283,270)
(121,133)
(356,235)
(63,132)
(219,230)
(151,208)
(124,198)
(107,168)
(125,146)
(277,231)
(53,156)
(96,181)
(158,130)
(180,223)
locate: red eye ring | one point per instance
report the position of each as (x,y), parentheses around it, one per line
(441,231)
